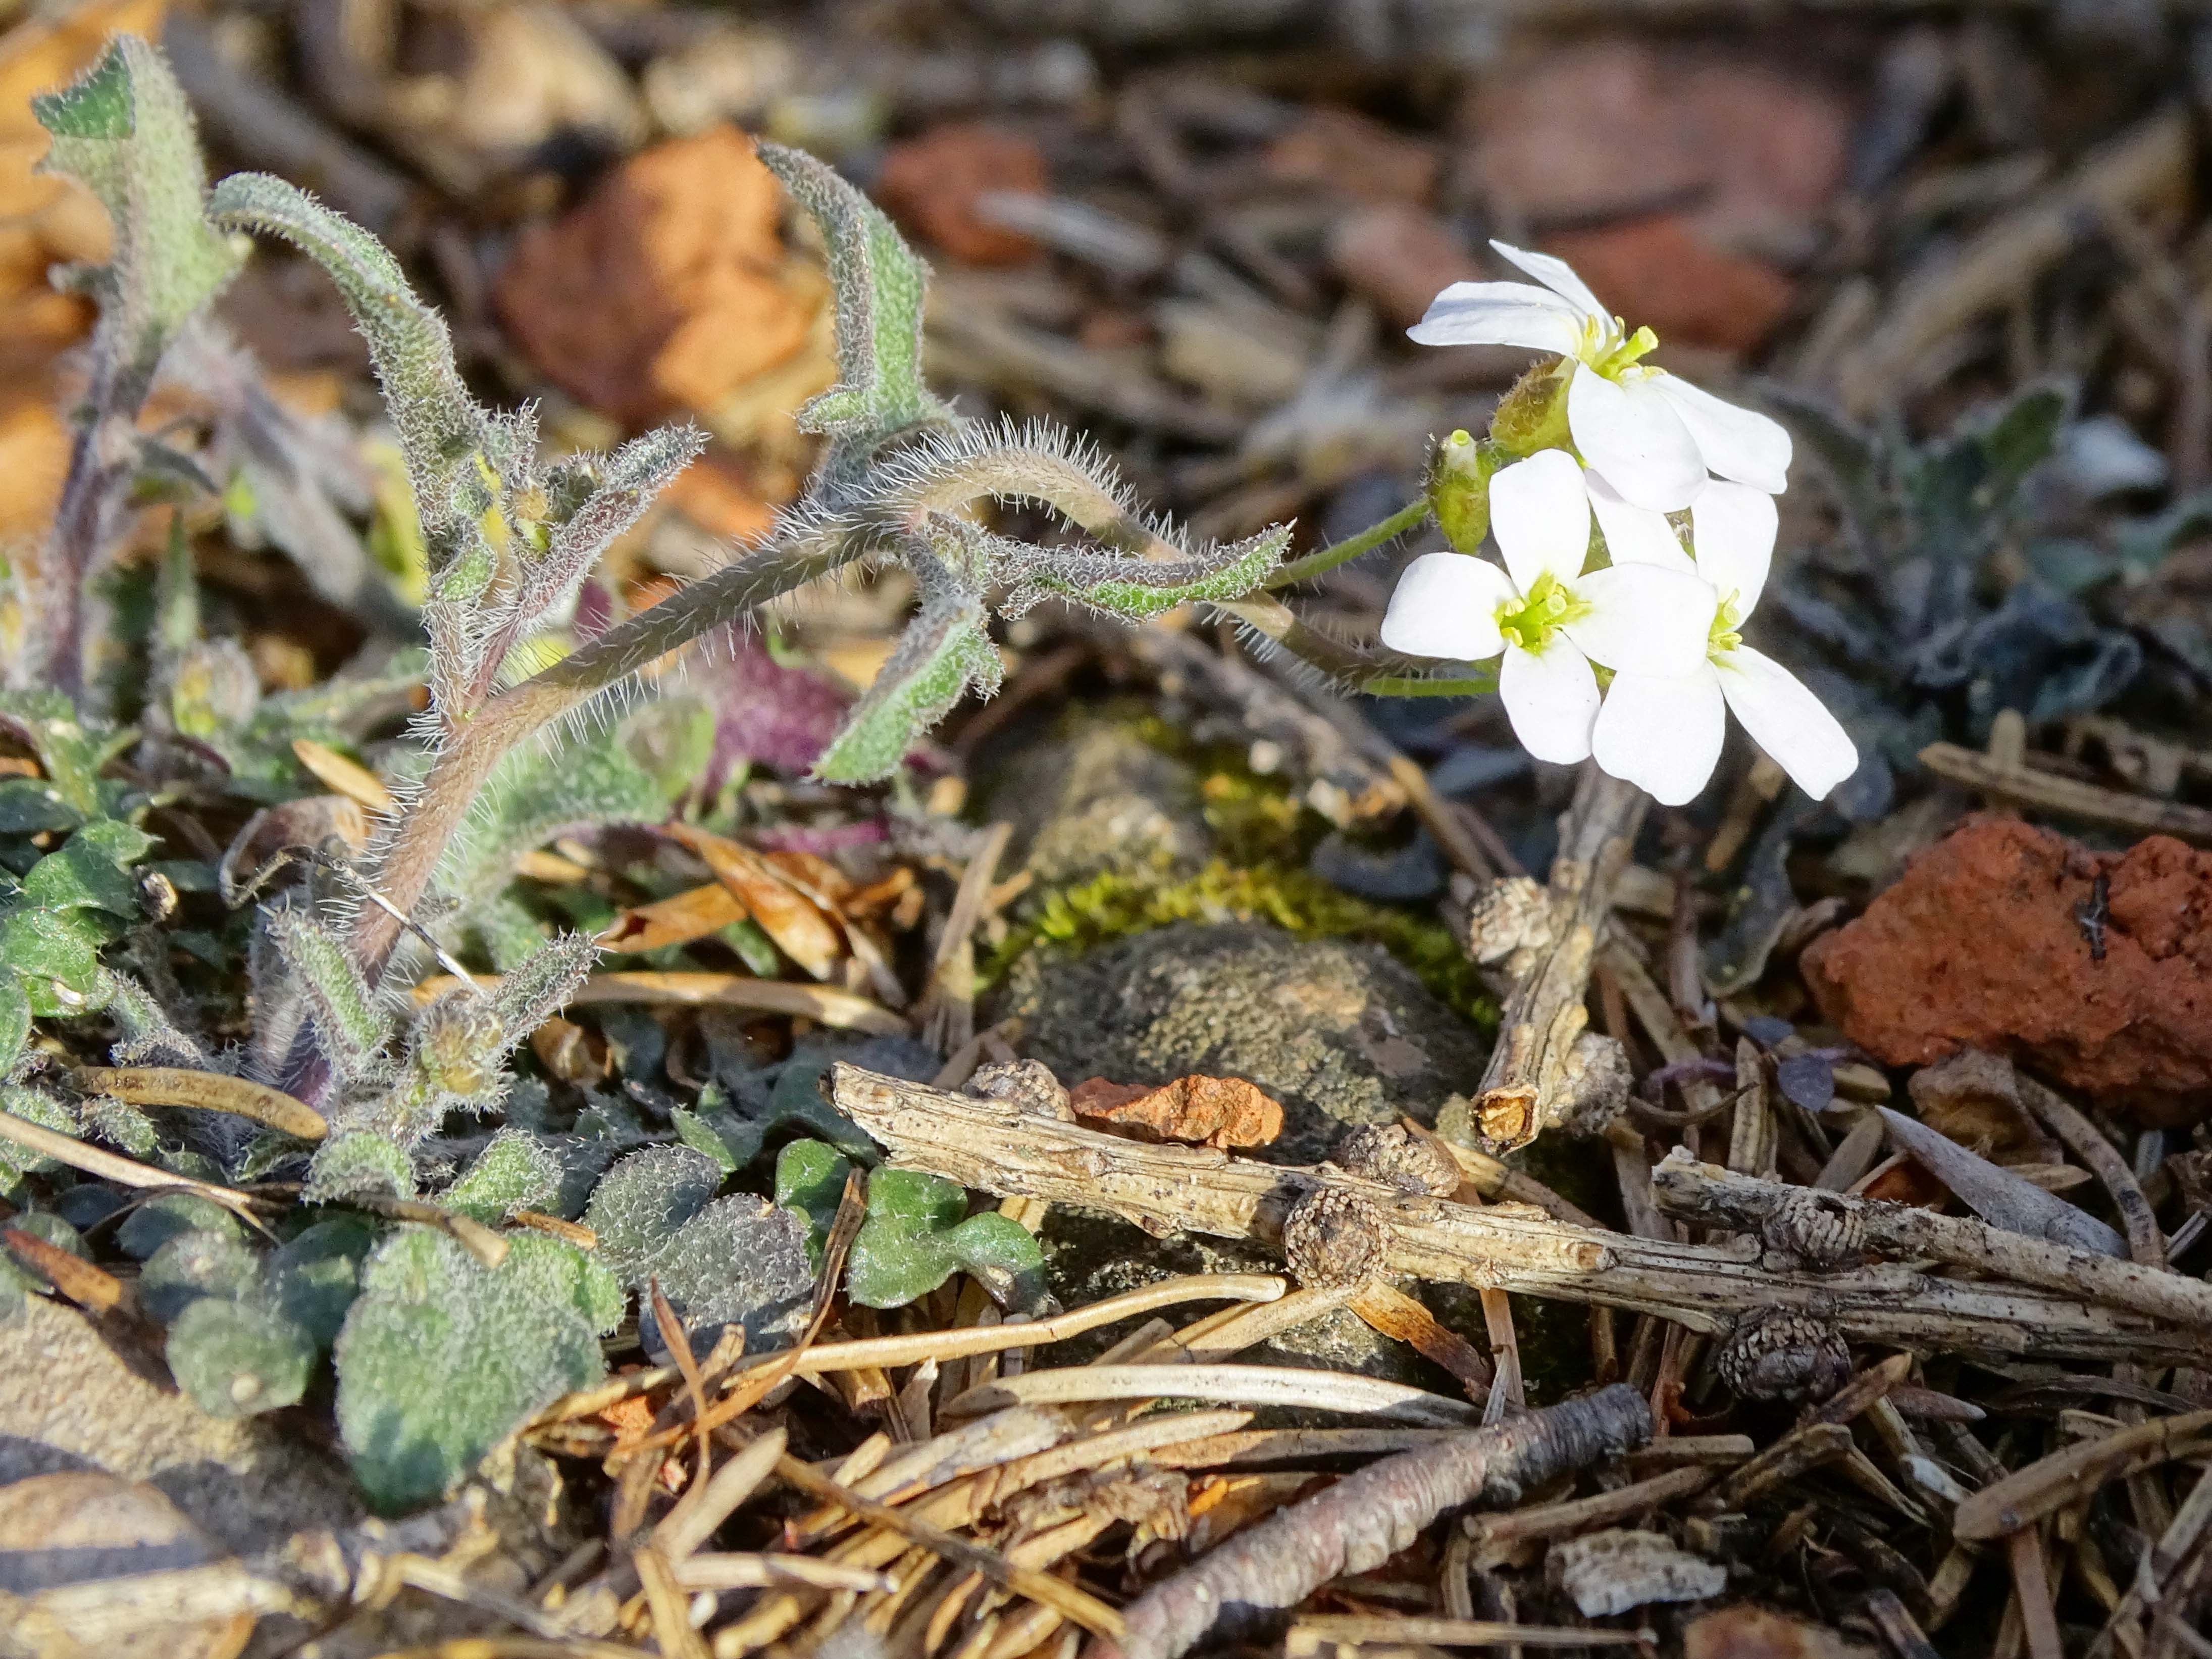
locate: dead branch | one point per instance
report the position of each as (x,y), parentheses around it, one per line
(1702,1192)
(1365,1520)
(993,1145)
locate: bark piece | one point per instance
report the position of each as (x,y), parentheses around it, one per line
(1611,1573)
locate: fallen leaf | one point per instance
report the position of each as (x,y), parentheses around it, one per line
(930,184)
(1745,1632)
(696,913)
(1210,1111)
(796,923)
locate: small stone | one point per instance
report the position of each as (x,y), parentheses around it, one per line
(666,290)
(1400,257)
(1820,1230)
(1391,1153)
(1027,1084)
(1979,945)
(1779,1353)
(1333,1237)
(931,184)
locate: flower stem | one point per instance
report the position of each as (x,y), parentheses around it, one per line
(1406,685)
(1408,517)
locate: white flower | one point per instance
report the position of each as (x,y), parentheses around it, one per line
(1651,435)
(1549,619)
(1663,733)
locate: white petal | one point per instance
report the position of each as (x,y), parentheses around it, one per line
(1661,735)
(1737,443)
(1732,526)
(1557,275)
(1635,535)
(1631,435)
(1500,313)
(1788,722)
(1551,699)
(1643,619)
(1446,605)
(1539,513)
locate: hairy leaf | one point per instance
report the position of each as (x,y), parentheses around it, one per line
(516,1171)
(236,1358)
(943,652)
(351,1164)
(442,1358)
(351,1024)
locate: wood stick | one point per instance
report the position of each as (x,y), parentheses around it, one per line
(2068,798)
(1525,1086)
(1703,1193)
(993,1145)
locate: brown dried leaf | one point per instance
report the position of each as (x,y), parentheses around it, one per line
(796,923)
(1973,1099)
(1210,1111)
(696,913)
(1746,1631)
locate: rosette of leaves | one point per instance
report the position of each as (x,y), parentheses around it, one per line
(55,920)
(918,1233)
(1931,643)
(736,1260)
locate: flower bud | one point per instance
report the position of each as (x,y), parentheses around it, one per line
(215,690)
(1533,416)
(1459,488)
(458,1039)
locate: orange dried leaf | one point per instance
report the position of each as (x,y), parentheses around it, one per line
(696,913)
(1210,1111)
(794,921)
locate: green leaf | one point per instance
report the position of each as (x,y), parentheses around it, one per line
(28,805)
(15,1020)
(442,1358)
(881,284)
(720,1261)
(701,1136)
(124,130)
(810,1180)
(915,1238)
(352,1026)
(540,987)
(236,1358)
(448,439)
(943,651)
(150,1226)
(57,954)
(314,1277)
(91,871)
(516,1171)
(193,1265)
(70,751)
(355,1162)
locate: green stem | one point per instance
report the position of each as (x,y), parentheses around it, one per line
(1403,685)
(1408,517)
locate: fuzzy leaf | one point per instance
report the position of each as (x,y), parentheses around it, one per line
(720,1261)
(173,1215)
(124,130)
(914,1239)
(880,286)
(631,477)
(447,437)
(314,1277)
(57,955)
(70,751)
(193,1265)
(236,1358)
(943,651)
(91,871)
(356,1163)
(442,1358)
(540,987)
(703,1137)
(15,1022)
(1135,590)
(515,1172)
(353,1028)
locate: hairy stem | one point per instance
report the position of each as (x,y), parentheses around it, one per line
(413,842)
(1410,516)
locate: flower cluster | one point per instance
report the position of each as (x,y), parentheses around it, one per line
(1599,437)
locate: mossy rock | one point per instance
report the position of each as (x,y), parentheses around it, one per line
(1338,1031)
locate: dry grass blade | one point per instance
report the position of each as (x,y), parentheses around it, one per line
(91,1288)
(678,1341)
(705,1504)
(479,1240)
(111,1166)
(665,1603)
(1268,1385)
(1310,1633)
(844,1010)
(1494,1532)
(1064,1598)
(205,1091)
(1397,1315)
(343,776)
(2025,1496)
(948,1006)
(2068,798)
(874,1352)
(771,1571)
